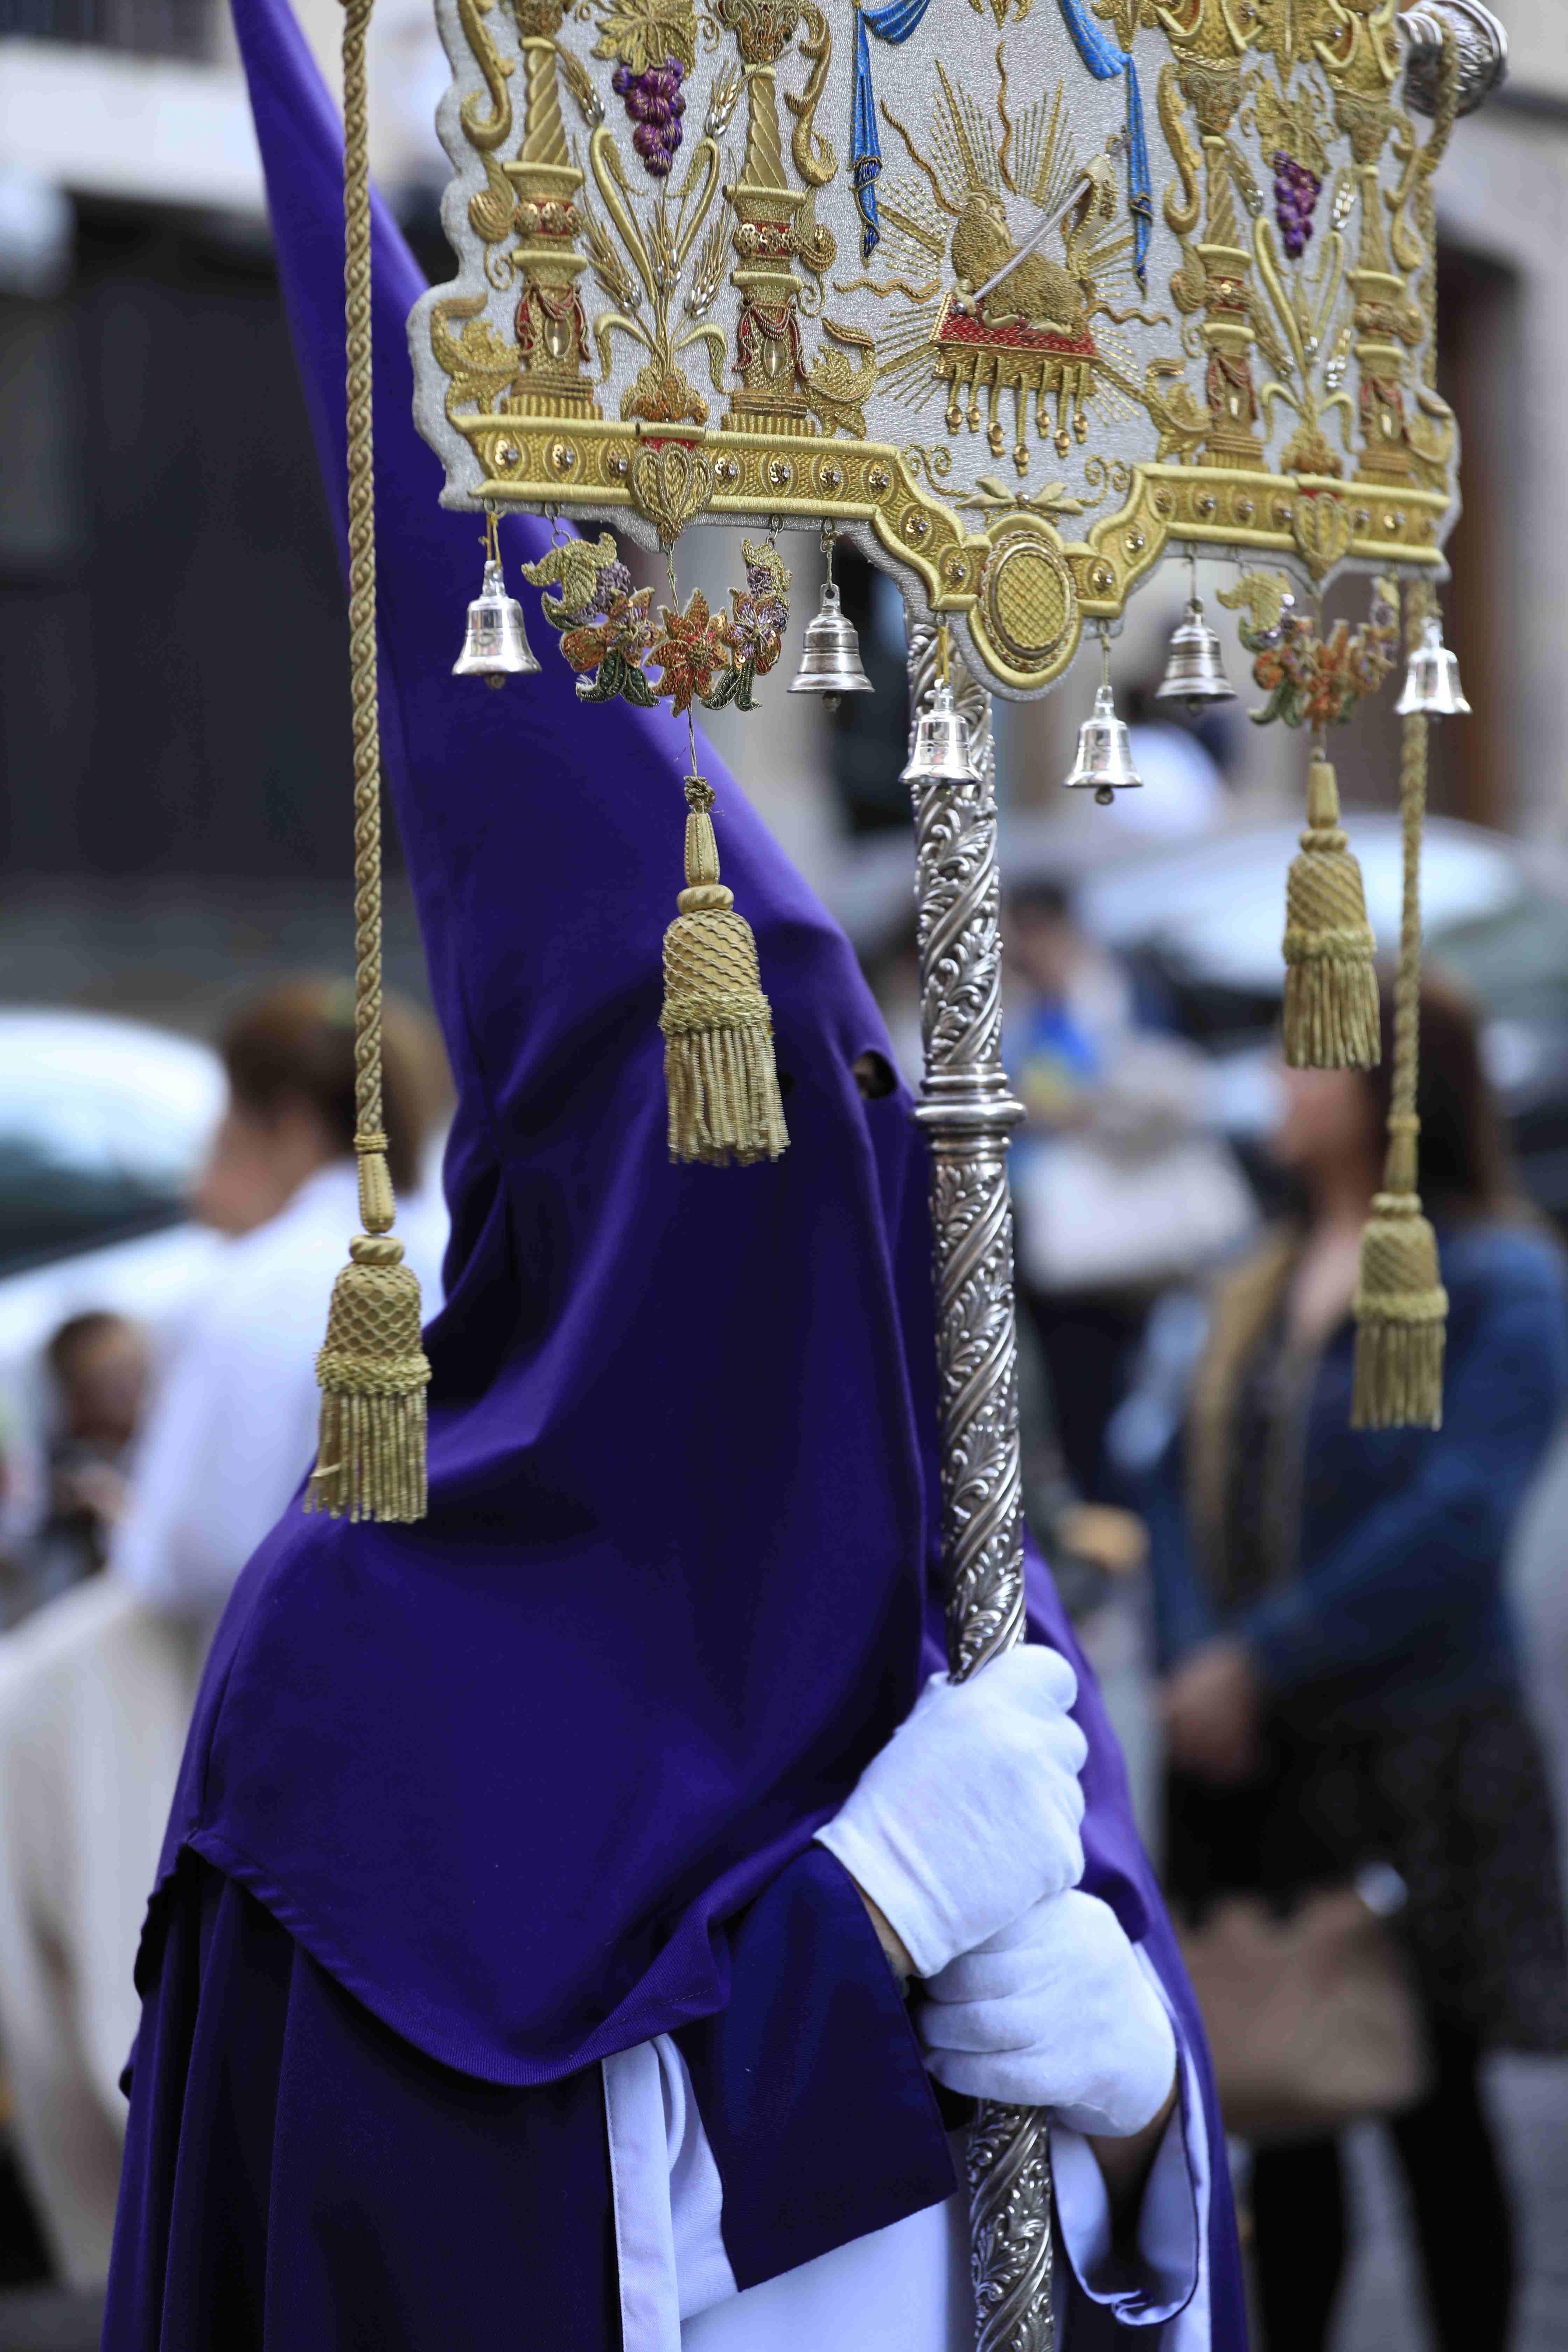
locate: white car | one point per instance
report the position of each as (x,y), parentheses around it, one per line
(103,1124)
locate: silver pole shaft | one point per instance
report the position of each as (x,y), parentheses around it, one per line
(967,1110)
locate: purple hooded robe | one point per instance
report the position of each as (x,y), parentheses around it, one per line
(470,1804)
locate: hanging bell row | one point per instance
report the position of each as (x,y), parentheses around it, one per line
(830,662)
(1195,667)
(1104,763)
(495,642)
(1432,686)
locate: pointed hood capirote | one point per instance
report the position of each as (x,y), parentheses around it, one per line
(502,1771)
(507,1772)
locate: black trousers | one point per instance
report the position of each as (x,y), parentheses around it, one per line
(1460,2206)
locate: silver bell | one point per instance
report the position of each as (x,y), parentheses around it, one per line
(495,642)
(1104,763)
(1431,679)
(831,657)
(941,751)
(1194,669)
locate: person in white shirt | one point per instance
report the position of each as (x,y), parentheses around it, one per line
(96,1689)
(234,1429)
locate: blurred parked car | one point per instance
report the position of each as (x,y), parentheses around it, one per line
(1202,922)
(1206,919)
(103,1123)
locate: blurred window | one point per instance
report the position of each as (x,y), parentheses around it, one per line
(154,28)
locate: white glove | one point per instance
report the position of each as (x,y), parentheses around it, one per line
(1056,2012)
(971,1811)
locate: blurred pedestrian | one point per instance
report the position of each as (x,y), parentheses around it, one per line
(1119,1187)
(95,1689)
(234,1428)
(99,1368)
(1342,1687)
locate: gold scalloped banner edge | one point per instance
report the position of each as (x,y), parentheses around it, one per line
(1316,523)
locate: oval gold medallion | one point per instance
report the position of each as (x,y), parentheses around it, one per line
(1031,600)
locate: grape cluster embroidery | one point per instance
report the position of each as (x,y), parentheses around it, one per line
(1295,193)
(654,102)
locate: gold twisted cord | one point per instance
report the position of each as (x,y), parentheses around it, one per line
(1403,1124)
(675,600)
(361,579)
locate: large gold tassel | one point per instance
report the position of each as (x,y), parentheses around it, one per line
(719,1070)
(1401,1305)
(371,1458)
(1330,985)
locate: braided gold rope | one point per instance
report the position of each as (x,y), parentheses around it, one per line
(1401,1305)
(373,1371)
(362,595)
(1400,1174)
(1403,1124)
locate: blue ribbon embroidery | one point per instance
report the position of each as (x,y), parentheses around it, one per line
(1105,61)
(894,23)
(898,19)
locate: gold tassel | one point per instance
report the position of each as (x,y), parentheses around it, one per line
(1401,1307)
(719,1070)
(373,1371)
(1330,986)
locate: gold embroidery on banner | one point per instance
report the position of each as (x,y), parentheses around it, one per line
(1294,308)
(1031,600)
(672,481)
(934,463)
(483,131)
(1013,323)
(1291,307)
(814,158)
(834,389)
(657,246)
(643,33)
(481,366)
(536,196)
(886,286)
(1125,17)
(1183,203)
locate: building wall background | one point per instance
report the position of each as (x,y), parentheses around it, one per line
(170,627)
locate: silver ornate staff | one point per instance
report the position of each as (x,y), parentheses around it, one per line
(966,1110)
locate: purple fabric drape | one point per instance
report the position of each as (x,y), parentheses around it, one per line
(505,1775)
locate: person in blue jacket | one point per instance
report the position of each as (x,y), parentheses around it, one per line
(1341,1680)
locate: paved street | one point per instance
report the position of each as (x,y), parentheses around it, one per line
(50,2321)
(1383,2308)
